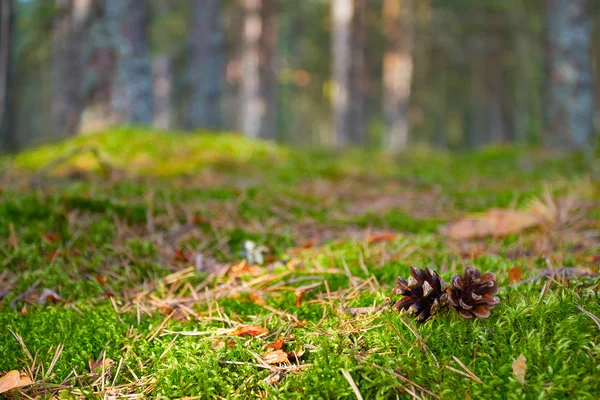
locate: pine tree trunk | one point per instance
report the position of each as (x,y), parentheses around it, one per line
(569,102)
(342,13)
(398,19)
(8,139)
(68,65)
(162,75)
(357,126)
(268,68)
(101,62)
(205,66)
(258,69)
(132,98)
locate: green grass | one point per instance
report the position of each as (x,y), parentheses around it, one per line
(106,243)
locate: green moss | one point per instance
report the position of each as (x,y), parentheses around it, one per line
(113,237)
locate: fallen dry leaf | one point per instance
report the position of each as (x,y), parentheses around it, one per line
(49,296)
(515,274)
(14,380)
(381,237)
(308,244)
(276,357)
(519,367)
(244,268)
(495,222)
(276,345)
(181,255)
(49,237)
(248,330)
(300,323)
(257,299)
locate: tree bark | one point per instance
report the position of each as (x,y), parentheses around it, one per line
(205,66)
(8,138)
(268,68)
(68,65)
(342,13)
(357,126)
(162,74)
(569,97)
(132,98)
(258,81)
(101,62)
(398,20)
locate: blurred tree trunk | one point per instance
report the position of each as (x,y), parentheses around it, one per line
(268,68)
(8,137)
(162,75)
(569,108)
(498,116)
(342,13)
(524,79)
(132,97)
(101,61)
(68,64)
(478,135)
(205,66)
(258,81)
(398,21)
(357,126)
(596,44)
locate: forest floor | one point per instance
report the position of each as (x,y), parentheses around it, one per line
(131,264)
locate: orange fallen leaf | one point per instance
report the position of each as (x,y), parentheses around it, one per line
(244,268)
(276,345)
(276,357)
(181,255)
(515,274)
(49,296)
(50,237)
(300,323)
(248,330)
(199,220)
(308,244)
(495,222)
(14,380)
(381,237)
(593,259)
(257,299)
(519,367)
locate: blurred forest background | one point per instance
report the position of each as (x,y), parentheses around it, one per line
(376,73)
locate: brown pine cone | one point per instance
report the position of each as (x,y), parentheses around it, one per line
(424,293)
(471,295)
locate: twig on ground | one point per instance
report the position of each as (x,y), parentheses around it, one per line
(351,383)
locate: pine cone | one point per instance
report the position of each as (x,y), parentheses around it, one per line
(424,293)
(472,294)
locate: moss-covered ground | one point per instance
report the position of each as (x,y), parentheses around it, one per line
(139,238)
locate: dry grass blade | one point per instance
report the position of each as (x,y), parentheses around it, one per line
(367,310)
(401,377)
(22,343)
(57,354)
(589,314)
(467,372)
(352,383)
